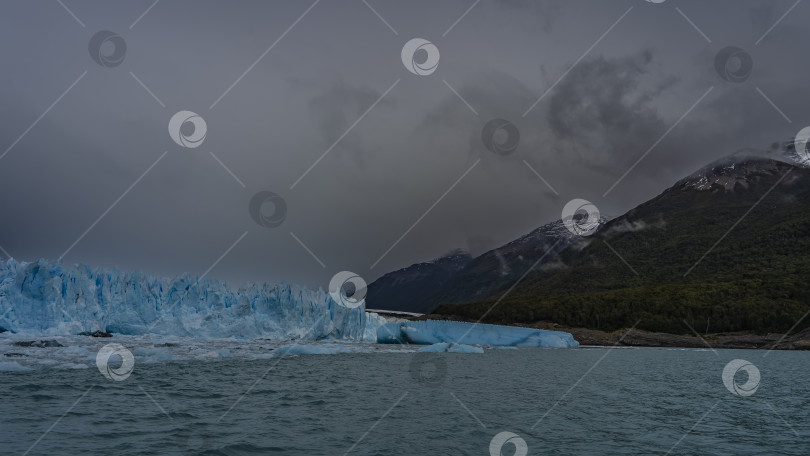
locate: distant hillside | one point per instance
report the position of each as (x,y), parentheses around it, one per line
(753,277)
(408,289)
(459,278)
(501,267)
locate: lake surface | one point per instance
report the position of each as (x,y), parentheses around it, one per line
(389,400)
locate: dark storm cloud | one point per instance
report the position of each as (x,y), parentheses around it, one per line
(602,114)
(363,197)
(545,12)
(337,109)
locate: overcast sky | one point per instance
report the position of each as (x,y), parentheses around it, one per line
(278,84)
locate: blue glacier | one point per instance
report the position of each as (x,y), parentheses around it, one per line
(47,297)
(429,332)
(51,298)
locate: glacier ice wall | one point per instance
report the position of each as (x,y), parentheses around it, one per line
(47,297)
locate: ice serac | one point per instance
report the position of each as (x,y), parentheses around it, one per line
(430,332)
(48,297)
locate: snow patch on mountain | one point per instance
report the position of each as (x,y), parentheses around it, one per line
(744,167)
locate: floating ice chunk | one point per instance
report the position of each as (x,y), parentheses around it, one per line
(76,352)
(431,332)
(464,348)
(72,366)
(152,355)
(442,347)
(326,349)
(13,366)
(215,354)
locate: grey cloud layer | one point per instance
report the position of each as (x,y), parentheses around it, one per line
(383,175)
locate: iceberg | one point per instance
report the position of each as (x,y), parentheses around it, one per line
(46,297)
(429,332)
(13,366)
(441,347)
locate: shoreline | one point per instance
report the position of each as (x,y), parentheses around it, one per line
(641,338)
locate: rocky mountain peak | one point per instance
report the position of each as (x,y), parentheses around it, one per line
(744,167)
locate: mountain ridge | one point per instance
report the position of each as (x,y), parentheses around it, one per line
(685,255)
(393,290)
(708,253)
